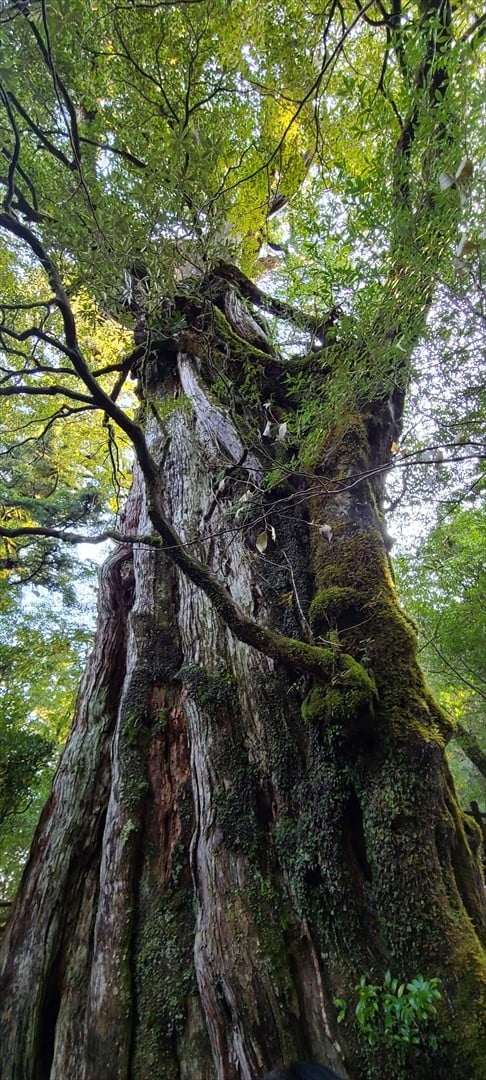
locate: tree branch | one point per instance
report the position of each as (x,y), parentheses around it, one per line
(125,154)
(14,160)
(25,177)
(476,31)
(59,87)
(78,538)
(46,143)
(46,391)
(21,204)
(432,76)
(470,746)
(314,324)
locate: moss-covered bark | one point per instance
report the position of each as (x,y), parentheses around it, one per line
(267,813)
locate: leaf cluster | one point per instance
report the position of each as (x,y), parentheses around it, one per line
(395,1015)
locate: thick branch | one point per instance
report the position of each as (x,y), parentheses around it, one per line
(78,538)
(430,78)
(314,324)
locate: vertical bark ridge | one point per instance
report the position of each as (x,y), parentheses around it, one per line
(47,955)
(258,833)
(241,895)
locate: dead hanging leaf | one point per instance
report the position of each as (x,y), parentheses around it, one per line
(282,432)
(465,246)
(325,530)
(273,534)
(241,505)
(267,429)
(446,181)
(461,179)
(261,542)
(464,171)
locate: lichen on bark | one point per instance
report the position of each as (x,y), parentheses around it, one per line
(275,814)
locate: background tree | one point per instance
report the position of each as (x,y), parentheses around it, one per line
(439,503)
(253,812)
(42,650)
(444,589)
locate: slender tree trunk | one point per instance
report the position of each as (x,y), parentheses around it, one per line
(231,841)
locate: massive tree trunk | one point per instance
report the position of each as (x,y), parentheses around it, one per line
(234,838)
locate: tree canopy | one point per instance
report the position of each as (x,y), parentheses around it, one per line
(141,140)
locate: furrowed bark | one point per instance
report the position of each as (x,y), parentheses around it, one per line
(245,825)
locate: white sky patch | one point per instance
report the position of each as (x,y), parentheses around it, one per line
(94,553)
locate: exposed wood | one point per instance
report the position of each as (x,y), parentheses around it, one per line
(243,822)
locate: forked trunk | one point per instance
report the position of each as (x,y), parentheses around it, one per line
(231,842)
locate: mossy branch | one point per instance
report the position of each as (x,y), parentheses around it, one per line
(308,658)
(316,325)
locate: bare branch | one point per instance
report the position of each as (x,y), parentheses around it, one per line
(125,154)
(15,153)
(26,305)
(40,134)
(60,414)
(171,115)
(46,391)
(39,335)
(476,31)
(27,181)
(62,94)
(22,205)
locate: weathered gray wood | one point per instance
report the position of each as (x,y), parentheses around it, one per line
(232,840)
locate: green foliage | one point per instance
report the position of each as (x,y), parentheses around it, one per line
(188,126)
(170,135)
(61,466)
(42,651)
(443,587)
(23,755)
(168,115)
(395,1015)
(450,570)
